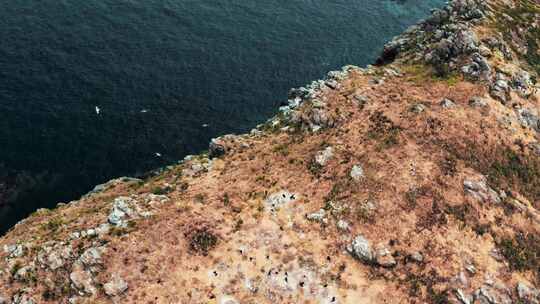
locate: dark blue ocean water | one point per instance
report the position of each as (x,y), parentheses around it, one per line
(158,70)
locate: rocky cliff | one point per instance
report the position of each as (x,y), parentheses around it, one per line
(413,181)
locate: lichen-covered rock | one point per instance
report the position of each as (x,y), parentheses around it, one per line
(527,293)
(115,286)
(124,209)
(276,200)
(529,119)
(497,294)
(343,225)
(481,191)
(92,256)
(361,249)
(357,173)
(319,216)
(478,102)
(322,157)
(14,251)
(82,280)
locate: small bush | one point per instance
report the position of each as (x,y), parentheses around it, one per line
(161,190)
(202,240)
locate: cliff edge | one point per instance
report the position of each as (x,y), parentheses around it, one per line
(416,180)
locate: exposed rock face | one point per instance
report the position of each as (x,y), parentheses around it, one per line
(115,287)
(412,182)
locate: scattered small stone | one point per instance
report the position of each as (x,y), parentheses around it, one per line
(417,257)
(357,172)
(319,216)
(447,103)
(322,157)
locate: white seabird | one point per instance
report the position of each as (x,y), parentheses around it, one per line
(98,110)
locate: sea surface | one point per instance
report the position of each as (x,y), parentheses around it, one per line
(95,89)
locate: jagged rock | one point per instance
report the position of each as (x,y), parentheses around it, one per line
(116,286)
(319,216)
(277,200)
(357,172)
(481,191)
(92,256)
(493,295)
(479,68)
(24,273)
(14,251)
(125,208)
(500,90)
(529,119)
(216,148)
(392,49)
(465,41)
(343,225)
(464,298)
(322,157)
(361,249)
(527,293)
(53,255)
(82,280)
(313,119)
(523,83)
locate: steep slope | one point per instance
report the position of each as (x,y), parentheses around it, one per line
(414,181)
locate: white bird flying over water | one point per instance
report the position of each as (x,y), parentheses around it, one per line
(98,110)
(158,154)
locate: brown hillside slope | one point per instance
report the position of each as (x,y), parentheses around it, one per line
(417,181)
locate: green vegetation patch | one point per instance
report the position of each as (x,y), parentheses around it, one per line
(522,252)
